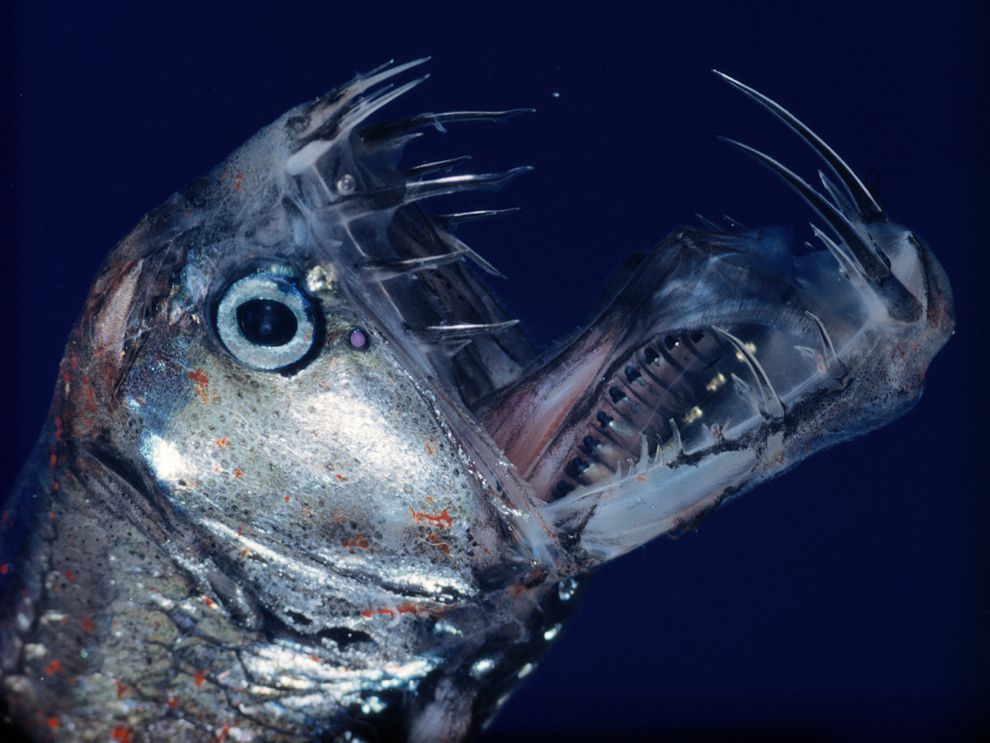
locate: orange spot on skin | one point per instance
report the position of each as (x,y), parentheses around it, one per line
(357,542)
(315,659)
(435,539)
(240,531)
(5,568)
(222,442)
(367,613)
(121,734)
(52,668)
(339,517)
(86,623)
(51,515)
(173,703)
(442,519)
(52,460)
(431,447)
(340,477)
(407,608)
(640,477)
(55,485)
(199,678)
(386,612)
(222,736)
(90,395)
(238,474)
(245,552)
(286,498)
(238,180)
(121,689)
(202,383)
(53,723)
(69,575)
(208,601)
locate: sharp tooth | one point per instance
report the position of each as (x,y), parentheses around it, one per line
(848,265)
(438,120)
(707,223)
(733,224)
(417,190)
(389,270)
(380,74)
(457,245)
(836,369)
(772,407)
(672,448)
(466,329)
(839,198)
(366,107)
(452,220)
(873,266)
(438,165)
(866,205)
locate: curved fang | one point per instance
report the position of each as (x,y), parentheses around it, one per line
(873,267)
(866,205)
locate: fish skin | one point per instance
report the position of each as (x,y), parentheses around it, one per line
(200,548)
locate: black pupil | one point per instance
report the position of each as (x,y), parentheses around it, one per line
(266,322)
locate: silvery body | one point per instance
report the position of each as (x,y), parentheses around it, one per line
(302,477)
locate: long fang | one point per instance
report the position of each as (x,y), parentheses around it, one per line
(772,406)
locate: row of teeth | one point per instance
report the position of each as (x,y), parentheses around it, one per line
(659,392)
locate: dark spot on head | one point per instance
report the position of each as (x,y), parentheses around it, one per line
(344,636)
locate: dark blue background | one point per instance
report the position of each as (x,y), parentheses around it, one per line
(848,600)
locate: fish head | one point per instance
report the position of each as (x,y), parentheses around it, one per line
(259,368)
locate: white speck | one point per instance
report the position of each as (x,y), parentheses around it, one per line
(551,633)
(525,670)
(481,667)
(556,94)
(566,589)
(168,463)
(445,627)
(52,617)
(32,651)
(373,705)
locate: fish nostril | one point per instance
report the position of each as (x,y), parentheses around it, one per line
(359,339)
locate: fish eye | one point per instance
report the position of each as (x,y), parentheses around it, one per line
(267,322)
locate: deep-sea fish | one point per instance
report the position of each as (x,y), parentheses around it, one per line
(303,478)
